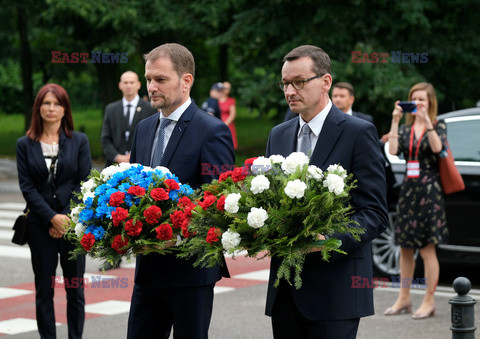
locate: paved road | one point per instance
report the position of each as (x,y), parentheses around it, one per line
(239,302)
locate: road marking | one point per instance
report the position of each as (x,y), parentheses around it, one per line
(110,307)
(6,234)
(261,275)
(22,252)
(19,325)
(12,206)
(9,215)
(222,289)
(6,292)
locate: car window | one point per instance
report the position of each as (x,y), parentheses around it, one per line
(464,138)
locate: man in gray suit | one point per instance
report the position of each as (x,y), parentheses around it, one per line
(343,97)
(121,118)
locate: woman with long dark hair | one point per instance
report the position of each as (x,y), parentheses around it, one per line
(52,160)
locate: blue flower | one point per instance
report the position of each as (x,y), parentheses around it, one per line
(85,215)
(97,231)
(173,195)
(186,190)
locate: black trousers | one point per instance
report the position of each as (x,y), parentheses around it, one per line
(154,310)
(288,322)
(45,251)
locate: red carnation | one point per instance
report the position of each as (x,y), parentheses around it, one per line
(133,227)
(249,162)
(136,191)
(87,241)
(208,201)
(164,232)
(119,215)
(221,203)
(116,199)
(213,234)
(118,243)
(172,184)
(159,194)
(188,210)
(184,202)
(152,214)
(177,218)
(224,176)
(239,174)
(185,232)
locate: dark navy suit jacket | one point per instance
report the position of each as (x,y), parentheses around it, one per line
(327,292)
(73,166)
(363,116)
(198,138)
(114,127)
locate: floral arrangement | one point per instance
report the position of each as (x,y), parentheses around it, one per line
(275,207)
(128,209)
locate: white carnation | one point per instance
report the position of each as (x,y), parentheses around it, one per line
(314,173)
(88,195)
(123,166)
(80,229)
(259,184)
(88,186)
(75,214)
(162,169)
(231,202)
(256,217)
(107,172)
(334,183)
(261,165)
(295,189)
(230,240)
(277,159)
(294,161)
(337,169)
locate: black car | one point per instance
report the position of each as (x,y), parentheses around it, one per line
(462,208)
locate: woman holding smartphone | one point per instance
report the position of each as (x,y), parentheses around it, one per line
(421,222)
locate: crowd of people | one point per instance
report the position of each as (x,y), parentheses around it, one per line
(172,131)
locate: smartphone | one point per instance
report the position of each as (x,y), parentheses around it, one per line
(408,106)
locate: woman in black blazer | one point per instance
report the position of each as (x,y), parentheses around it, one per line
(52,160)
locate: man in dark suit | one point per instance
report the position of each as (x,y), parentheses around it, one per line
(343,96)
(327,305)
(183,138)
(121,118)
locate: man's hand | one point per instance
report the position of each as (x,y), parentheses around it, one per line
(60,223)
(54,233)
(318,249)
(122,158)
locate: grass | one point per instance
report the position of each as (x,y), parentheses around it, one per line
(252,132)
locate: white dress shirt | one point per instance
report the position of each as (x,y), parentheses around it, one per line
(315,125)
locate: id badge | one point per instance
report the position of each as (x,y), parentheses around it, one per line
(413,169)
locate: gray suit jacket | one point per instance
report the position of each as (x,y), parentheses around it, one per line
(114,127)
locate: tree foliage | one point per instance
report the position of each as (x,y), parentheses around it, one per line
(243,41)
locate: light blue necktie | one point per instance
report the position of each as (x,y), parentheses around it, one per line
(305,143)
(158,152)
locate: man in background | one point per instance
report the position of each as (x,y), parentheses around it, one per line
(121,118)
(343,97)
(211,104)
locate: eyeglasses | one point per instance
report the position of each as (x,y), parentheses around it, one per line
(296,84)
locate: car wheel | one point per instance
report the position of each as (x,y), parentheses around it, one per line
(385,254)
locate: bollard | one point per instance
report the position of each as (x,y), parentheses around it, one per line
(463,313)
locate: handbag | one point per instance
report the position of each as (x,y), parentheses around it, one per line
(20,229)
(449,176)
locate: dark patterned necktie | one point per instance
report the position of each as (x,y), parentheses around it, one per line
(160,142)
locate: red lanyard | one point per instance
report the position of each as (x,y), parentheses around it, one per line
(419,141)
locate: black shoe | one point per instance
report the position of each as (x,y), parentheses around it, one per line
(108,266)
